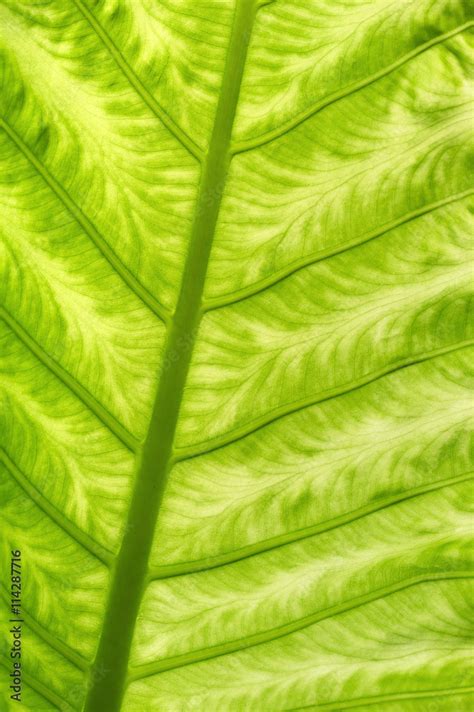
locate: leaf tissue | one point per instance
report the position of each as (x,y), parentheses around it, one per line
(235,354)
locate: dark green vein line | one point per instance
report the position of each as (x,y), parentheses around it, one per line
(45,692)
(101,413)
(54,643)
(181,136)
(395,697)
(285,128)
(261,547)
(268,636)
(79,536)
(102,245)
(287,409)
(313,258)
(130,575)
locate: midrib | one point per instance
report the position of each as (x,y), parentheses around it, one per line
(109,672)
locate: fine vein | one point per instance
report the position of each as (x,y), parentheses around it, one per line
(56,516)
(110,422)
(102,245)
(189,567)
(45,692)
(307,260)
(263,139)
(141,90)
(54,643)
(253,426)
(397,696)
(130,574)
(267,636)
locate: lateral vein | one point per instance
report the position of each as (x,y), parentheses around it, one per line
(110,422)
(408,695)
(71,655)
(102,245)
(321,255)
(46,693)
(268,636)
(181,136)
(186,453)
(242,146)
(203,565)
(72,530)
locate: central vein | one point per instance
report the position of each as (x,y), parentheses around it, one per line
(110,669)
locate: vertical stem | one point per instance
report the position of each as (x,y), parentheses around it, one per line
(110,669)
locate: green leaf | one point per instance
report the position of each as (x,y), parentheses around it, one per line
(236,358)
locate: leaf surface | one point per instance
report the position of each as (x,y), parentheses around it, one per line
(236,353)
